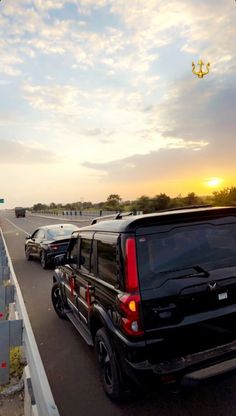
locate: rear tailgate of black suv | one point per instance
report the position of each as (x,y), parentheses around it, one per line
(187,277)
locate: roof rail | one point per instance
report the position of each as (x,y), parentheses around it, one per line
(187,207)
(116,216)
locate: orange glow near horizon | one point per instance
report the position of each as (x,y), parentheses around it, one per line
(181,186)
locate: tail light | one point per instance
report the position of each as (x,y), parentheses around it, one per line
(130,319)
(53,247)
(129,303)
(131,273)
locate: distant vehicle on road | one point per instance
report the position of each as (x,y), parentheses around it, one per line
(19,212)
(48,241)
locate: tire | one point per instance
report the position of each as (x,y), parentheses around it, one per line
(109,370)
(43,260)
(28,255)
(58,302)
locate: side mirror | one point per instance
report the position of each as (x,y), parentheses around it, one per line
(28,237)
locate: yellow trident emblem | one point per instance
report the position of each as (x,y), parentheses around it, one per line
(200,73)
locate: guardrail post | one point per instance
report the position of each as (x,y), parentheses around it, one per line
(10,331)
(6,297)
(4,273)
(10,336)
(3,259)
(4,352)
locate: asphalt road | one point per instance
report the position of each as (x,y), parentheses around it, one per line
(70,365)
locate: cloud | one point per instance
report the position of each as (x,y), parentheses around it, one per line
(93,132)
(197,25)
(205,111)
(8,64)
(98,132)
(149,26)
(50,4)
(78,103)
(164,165)
(195,122)
(86,6)
(15,152)
(54,98)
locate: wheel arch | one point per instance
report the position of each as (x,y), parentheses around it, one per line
(100,319)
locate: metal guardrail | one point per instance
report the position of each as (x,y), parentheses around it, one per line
(75,214)
(41,389)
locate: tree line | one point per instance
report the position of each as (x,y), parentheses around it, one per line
(146,204)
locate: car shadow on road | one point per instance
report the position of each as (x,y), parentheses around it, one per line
(214,397)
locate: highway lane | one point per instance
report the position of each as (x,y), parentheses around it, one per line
(70,364)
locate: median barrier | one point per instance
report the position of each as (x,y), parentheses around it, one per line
(15,330)
(71,214)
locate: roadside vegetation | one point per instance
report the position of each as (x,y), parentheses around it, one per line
(144,203)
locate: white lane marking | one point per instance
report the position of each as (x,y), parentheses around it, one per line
(21,229)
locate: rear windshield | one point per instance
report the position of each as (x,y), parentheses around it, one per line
(60,232)
(206,245)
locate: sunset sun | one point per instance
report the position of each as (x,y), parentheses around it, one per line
(213,182)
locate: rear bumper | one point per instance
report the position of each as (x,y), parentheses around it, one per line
(51,255)
(137,362)
(179,367)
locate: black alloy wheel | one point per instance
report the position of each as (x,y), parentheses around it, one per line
(57,301)
(109,370)
(43,260)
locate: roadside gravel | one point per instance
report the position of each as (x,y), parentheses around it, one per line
(12,405)
(12,398)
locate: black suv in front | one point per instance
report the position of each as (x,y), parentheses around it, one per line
(154,294)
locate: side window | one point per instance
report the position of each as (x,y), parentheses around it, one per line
(38,234)
(41,234)
(107,258)
(85,254)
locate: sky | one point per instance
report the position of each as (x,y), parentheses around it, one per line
(98,97)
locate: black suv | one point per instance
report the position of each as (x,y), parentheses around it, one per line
(155,294)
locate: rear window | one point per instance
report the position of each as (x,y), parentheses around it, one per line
(207,245)
(60,232)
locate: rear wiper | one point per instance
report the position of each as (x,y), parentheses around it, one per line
(193,271)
